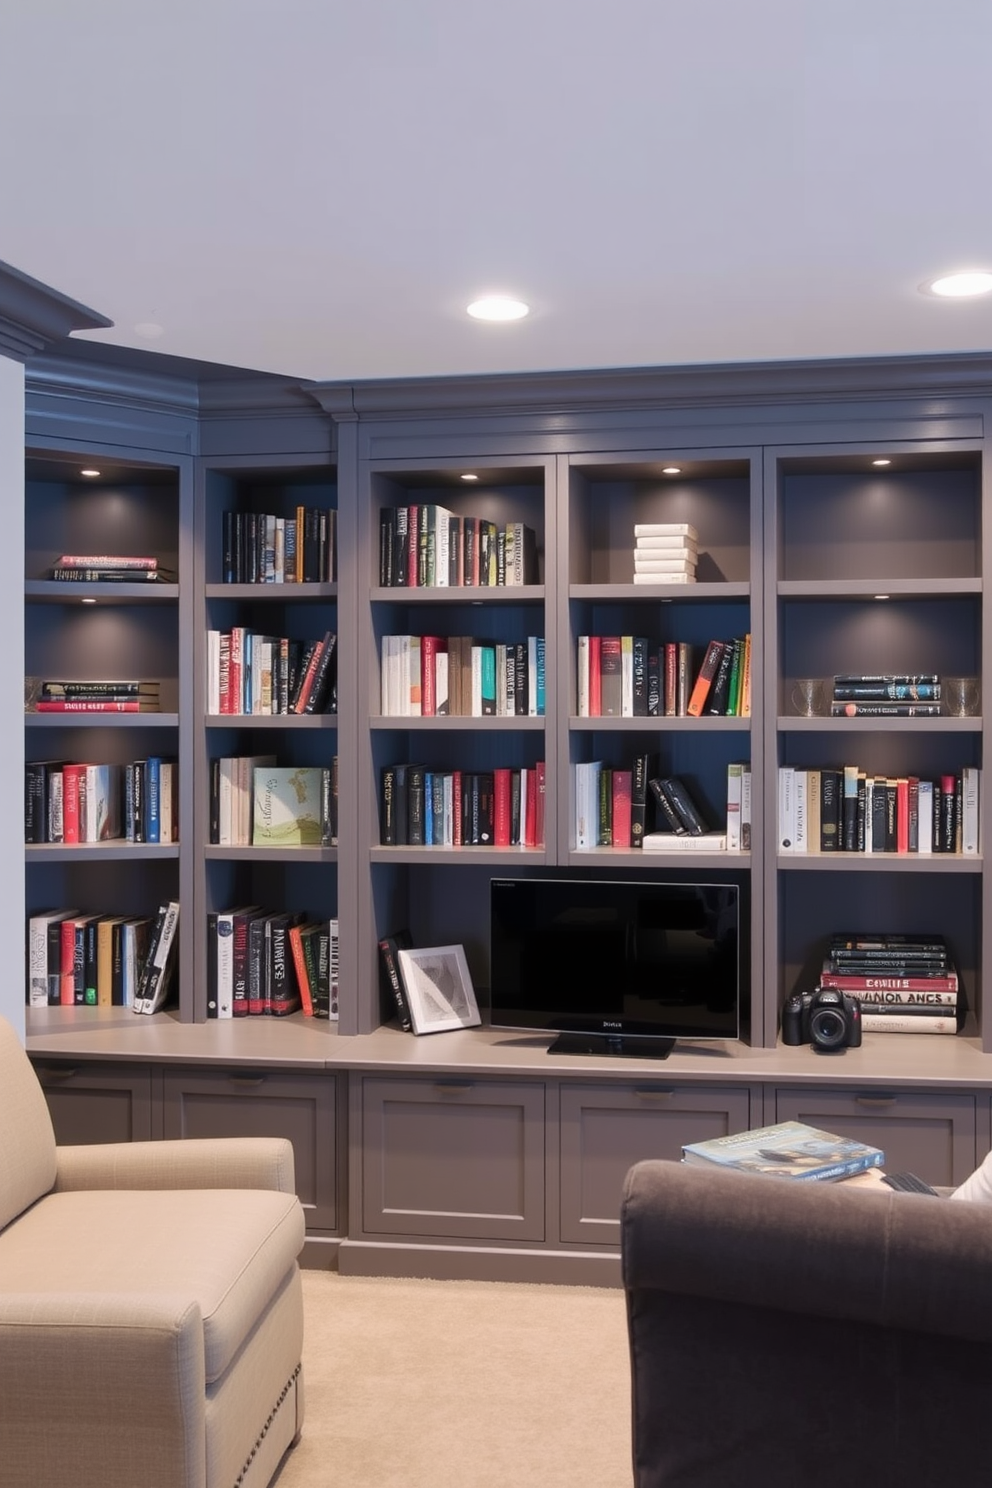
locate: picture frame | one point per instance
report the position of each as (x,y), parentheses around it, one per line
(438,988)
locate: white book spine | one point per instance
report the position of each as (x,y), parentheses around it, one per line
(476,682)
(746,809)
(213,671)
(582,677)
(970,802)
(674,563)
(664,578)
(924,806)
(735,772)
(441,700)
(666,529)
(801,836)
(225,965)
(786,809)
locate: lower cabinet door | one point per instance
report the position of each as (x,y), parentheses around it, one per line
(95,1102)
(928,1133)
(452,1158)
(604,1130)
(270,1103)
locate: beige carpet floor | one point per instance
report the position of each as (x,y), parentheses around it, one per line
(461,1384)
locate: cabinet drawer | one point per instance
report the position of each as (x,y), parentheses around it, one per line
(266,1103)
(453,1159)
(96,1102)
(929,1133)
(604,1130)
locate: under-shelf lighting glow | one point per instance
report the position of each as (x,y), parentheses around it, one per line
(881,462)
(469,477)
(882,596)
(87,601)
(672,470)
(91,474)
(960,286)
(498,307)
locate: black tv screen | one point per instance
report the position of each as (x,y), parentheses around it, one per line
(616,966)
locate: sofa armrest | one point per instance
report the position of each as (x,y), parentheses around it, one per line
(98,1390)
(819,1249)
(221,1162)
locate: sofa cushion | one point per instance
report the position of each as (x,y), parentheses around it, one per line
(27,1141)
(226,1250)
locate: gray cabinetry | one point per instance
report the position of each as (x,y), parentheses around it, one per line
(266,1103)
(451,1158)
(604,1130)
(98,1103)
(932,1133)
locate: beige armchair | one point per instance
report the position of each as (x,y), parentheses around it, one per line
(151,1317)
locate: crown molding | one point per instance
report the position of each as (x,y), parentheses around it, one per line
(33,317)
(752,383)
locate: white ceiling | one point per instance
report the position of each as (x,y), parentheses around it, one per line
(318,188)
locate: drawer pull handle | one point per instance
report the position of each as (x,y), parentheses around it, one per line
(452,1087)
(649,1093)
(57,1074)
(247,1082)
(877,1101)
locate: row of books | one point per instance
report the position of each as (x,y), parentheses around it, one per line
(886,695)
(431,676)
(133,695)
(614,808)
(502,807)
(70,802)
(265,548)
(905,984)
(248,672)
(630,676)
(110,568)
(256,802)
(271,963)
(424,545)
(93,960)
(847,809)
(665,553)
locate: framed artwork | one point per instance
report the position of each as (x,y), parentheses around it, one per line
(438,989)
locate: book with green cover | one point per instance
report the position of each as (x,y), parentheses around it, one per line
(789,1149)
(287,806)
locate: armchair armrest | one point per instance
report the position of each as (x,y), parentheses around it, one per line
(220,1162)
(818,1249)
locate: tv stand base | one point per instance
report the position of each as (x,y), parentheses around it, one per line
(630,1046)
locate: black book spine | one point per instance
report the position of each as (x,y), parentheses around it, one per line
(640,771)
(415,784)
(229,551)
(387,807)
(831,784)
(323,690)
(668,818)
(717,700)
(640,673)
(392,983)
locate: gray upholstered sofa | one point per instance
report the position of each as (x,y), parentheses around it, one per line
(805,1335)
(151,1316)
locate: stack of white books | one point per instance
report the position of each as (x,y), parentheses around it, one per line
(665,553)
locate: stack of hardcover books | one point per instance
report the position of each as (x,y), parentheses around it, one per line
(905,983)
(886,695)
(112,568)
(680,822)
(789,1149)
(665,553)
(129,695)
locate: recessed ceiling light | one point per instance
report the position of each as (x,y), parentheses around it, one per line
(90,473)
(960,286)
(881,462)
(469,477)
(498,307)
(672,470)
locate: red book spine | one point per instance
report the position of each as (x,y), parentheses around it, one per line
(501,807)
(902,814)
(311,672)
(595,676)
(70,802)
(235,696)
(621,807)
(104,560)
(90,705)
(844,983)
(67,962)
(430,645)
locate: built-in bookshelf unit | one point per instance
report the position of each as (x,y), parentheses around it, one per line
(113,630)
(473,1152)
(267,537)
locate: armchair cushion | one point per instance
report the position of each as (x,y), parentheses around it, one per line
(27,1139)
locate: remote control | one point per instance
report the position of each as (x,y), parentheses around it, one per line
(908,1183)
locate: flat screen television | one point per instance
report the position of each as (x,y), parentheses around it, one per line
(614,966)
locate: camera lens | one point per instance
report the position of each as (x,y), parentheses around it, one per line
(827,1028)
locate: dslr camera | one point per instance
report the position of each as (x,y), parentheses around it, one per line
(827,1019)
